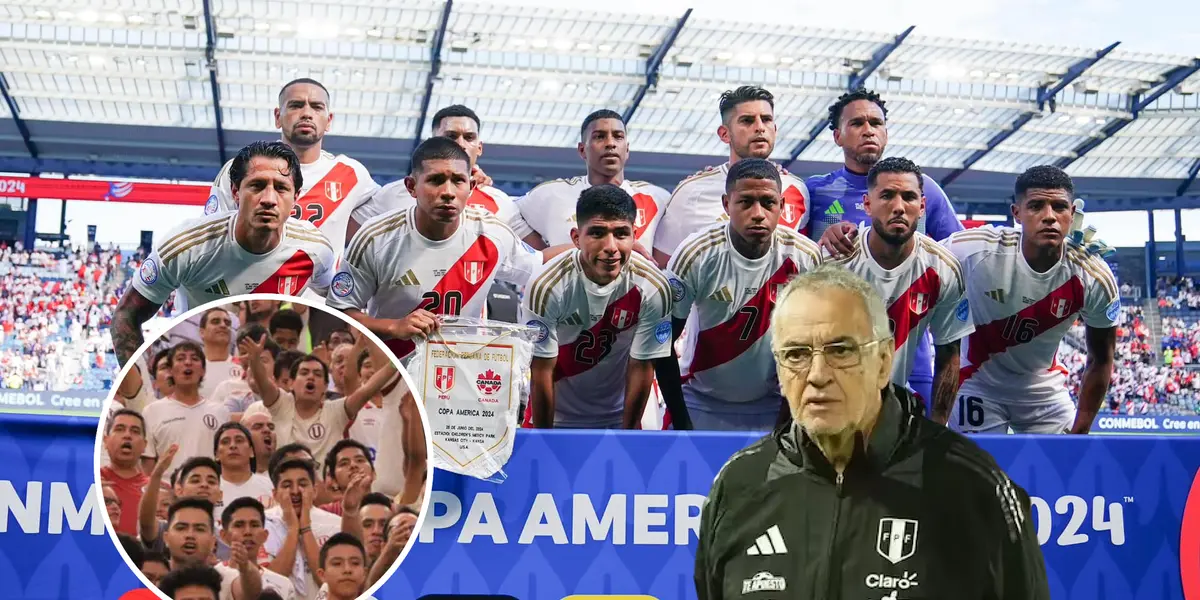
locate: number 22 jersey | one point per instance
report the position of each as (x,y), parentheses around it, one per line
(1021,315)
(390,269)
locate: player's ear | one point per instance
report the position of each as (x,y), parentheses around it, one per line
(575,236)
(480,151)
(886,356)
(725,202)
(923,203)
(723,133)
(1015,208)
(579,147)
(867,203)
(278,123)
(837,137)
(329,124)
(225,536)
(410,184)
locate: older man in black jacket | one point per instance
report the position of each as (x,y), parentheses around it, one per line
(860,497)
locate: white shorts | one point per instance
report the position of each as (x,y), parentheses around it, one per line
(972,414)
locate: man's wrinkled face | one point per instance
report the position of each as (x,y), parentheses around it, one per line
(126,440)
(262,431)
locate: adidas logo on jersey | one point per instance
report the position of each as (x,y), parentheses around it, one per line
(218,289)
(768,544)
(409,278)
(997,295)
(574,319)
(722,295)
(836,208)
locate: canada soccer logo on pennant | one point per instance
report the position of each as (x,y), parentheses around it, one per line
(488,382)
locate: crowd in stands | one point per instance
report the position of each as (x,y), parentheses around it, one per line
(243,451)
(1179,293)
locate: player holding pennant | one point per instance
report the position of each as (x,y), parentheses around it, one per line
(603,316)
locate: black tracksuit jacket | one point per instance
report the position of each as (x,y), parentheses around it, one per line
(920,513)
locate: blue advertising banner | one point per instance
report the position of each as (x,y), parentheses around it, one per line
(616,513)
(1151,425)
(80,403)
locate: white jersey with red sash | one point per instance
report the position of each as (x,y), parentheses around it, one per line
(549,209)
(395,196)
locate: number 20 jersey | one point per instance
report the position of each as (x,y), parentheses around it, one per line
(730,298)
(1021,315)
(390,269)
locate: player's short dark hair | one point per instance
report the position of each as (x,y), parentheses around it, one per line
(835,109)
(752,168)
(164,354)
(895,164)
(266,149)
(606,201)
(185,346)
(133,549)
(204,317)
(1043,177)
(190,502)
(342,444)
(195,576)
(197,462)
(238,504)
(284,450)
(307,80)
(125,411)
(377,498)
(603,113)
(730,99)
(156,556)
(286,319)
(235,425)
(308,358)
(341,539)
(437,148)
(291,464)
(454,110)
(284,361)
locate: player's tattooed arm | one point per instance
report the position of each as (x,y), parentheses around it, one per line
(945,381)
(1097,375)
(133,310)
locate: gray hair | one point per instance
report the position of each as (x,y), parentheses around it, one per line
(830,276)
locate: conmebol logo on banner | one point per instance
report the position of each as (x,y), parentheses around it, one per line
(1189,543)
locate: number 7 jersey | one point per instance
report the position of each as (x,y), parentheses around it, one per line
(1021,315)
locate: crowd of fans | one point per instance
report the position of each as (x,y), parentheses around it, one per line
(238,458)
(1175,294)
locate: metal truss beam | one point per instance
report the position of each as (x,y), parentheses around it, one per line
(435,68)
(855,81)
(1138,104)
(16,117)
(653,65)
(1044,95)
(1191,178)
(210,57)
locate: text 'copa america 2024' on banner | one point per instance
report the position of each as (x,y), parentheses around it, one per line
(614,513)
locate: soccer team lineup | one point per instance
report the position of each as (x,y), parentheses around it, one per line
(241,452)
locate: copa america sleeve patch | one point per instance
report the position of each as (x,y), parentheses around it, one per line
(212,205)
(963,311)
(149,271)
(676,289)
(342,284)
(1114,310)
(662,332)
(543,331)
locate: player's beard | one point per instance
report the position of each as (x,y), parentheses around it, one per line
(893,239)
(868,159)
(296,139)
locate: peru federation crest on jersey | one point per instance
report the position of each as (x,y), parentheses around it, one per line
(897,539)
(473,271)
(640,219)
(919,303)
(443,379)
(333,191)
(289,286)
(1060,307)
(774,291)
(622,319)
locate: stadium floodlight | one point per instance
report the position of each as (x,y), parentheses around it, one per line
(136,19)
(562,44)
(947,71)
(97,61)
(584,46)
(540,43)
(262,26)
(374,32)
(1014,75)
(352,32)
(745,57)
(1082,120)
(767,58)
(724,55)
(995,74)
(116,18)
(317,29)
(88,16)
(42,14)
(65,15)
(604,48)
(1064,118)
(977,73)
(283,27)
(787,60)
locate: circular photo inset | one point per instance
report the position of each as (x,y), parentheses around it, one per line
(262,447)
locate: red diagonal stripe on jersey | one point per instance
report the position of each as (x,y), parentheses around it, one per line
(903,313)
(722,343)
(647,209)
(290,278)
(592,345)
(464,279)
(793,207)
(989,339)
(483,199)
(324,196)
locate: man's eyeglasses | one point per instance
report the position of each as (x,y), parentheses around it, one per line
(839,355)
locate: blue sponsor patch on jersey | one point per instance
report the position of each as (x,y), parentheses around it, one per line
(1114,310)
(212,205)
(543,332)
(149,271)
(676,289)
(662,333)
(963,310)
(528,248)
(342,284)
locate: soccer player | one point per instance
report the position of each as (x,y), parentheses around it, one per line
(343,567)
(256,249)
(339,194)
(461,125)
(1025,288)
(185,418)
(548,210)
(235,454)
(920,282)
(726,278)
(436,257)
(215,332)
(243,522)
(603,316)
(748,127)
(125,440)
(859,123)
(189,539)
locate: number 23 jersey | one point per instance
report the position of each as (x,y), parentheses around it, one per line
(1021,315)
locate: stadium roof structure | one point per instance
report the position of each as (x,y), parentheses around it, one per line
(170,88)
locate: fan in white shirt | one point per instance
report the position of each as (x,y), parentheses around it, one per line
(243,523)
(216,329)
(238,394)
(257,249)
(235,454)
(343,568)
(190,539)
(185,418)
